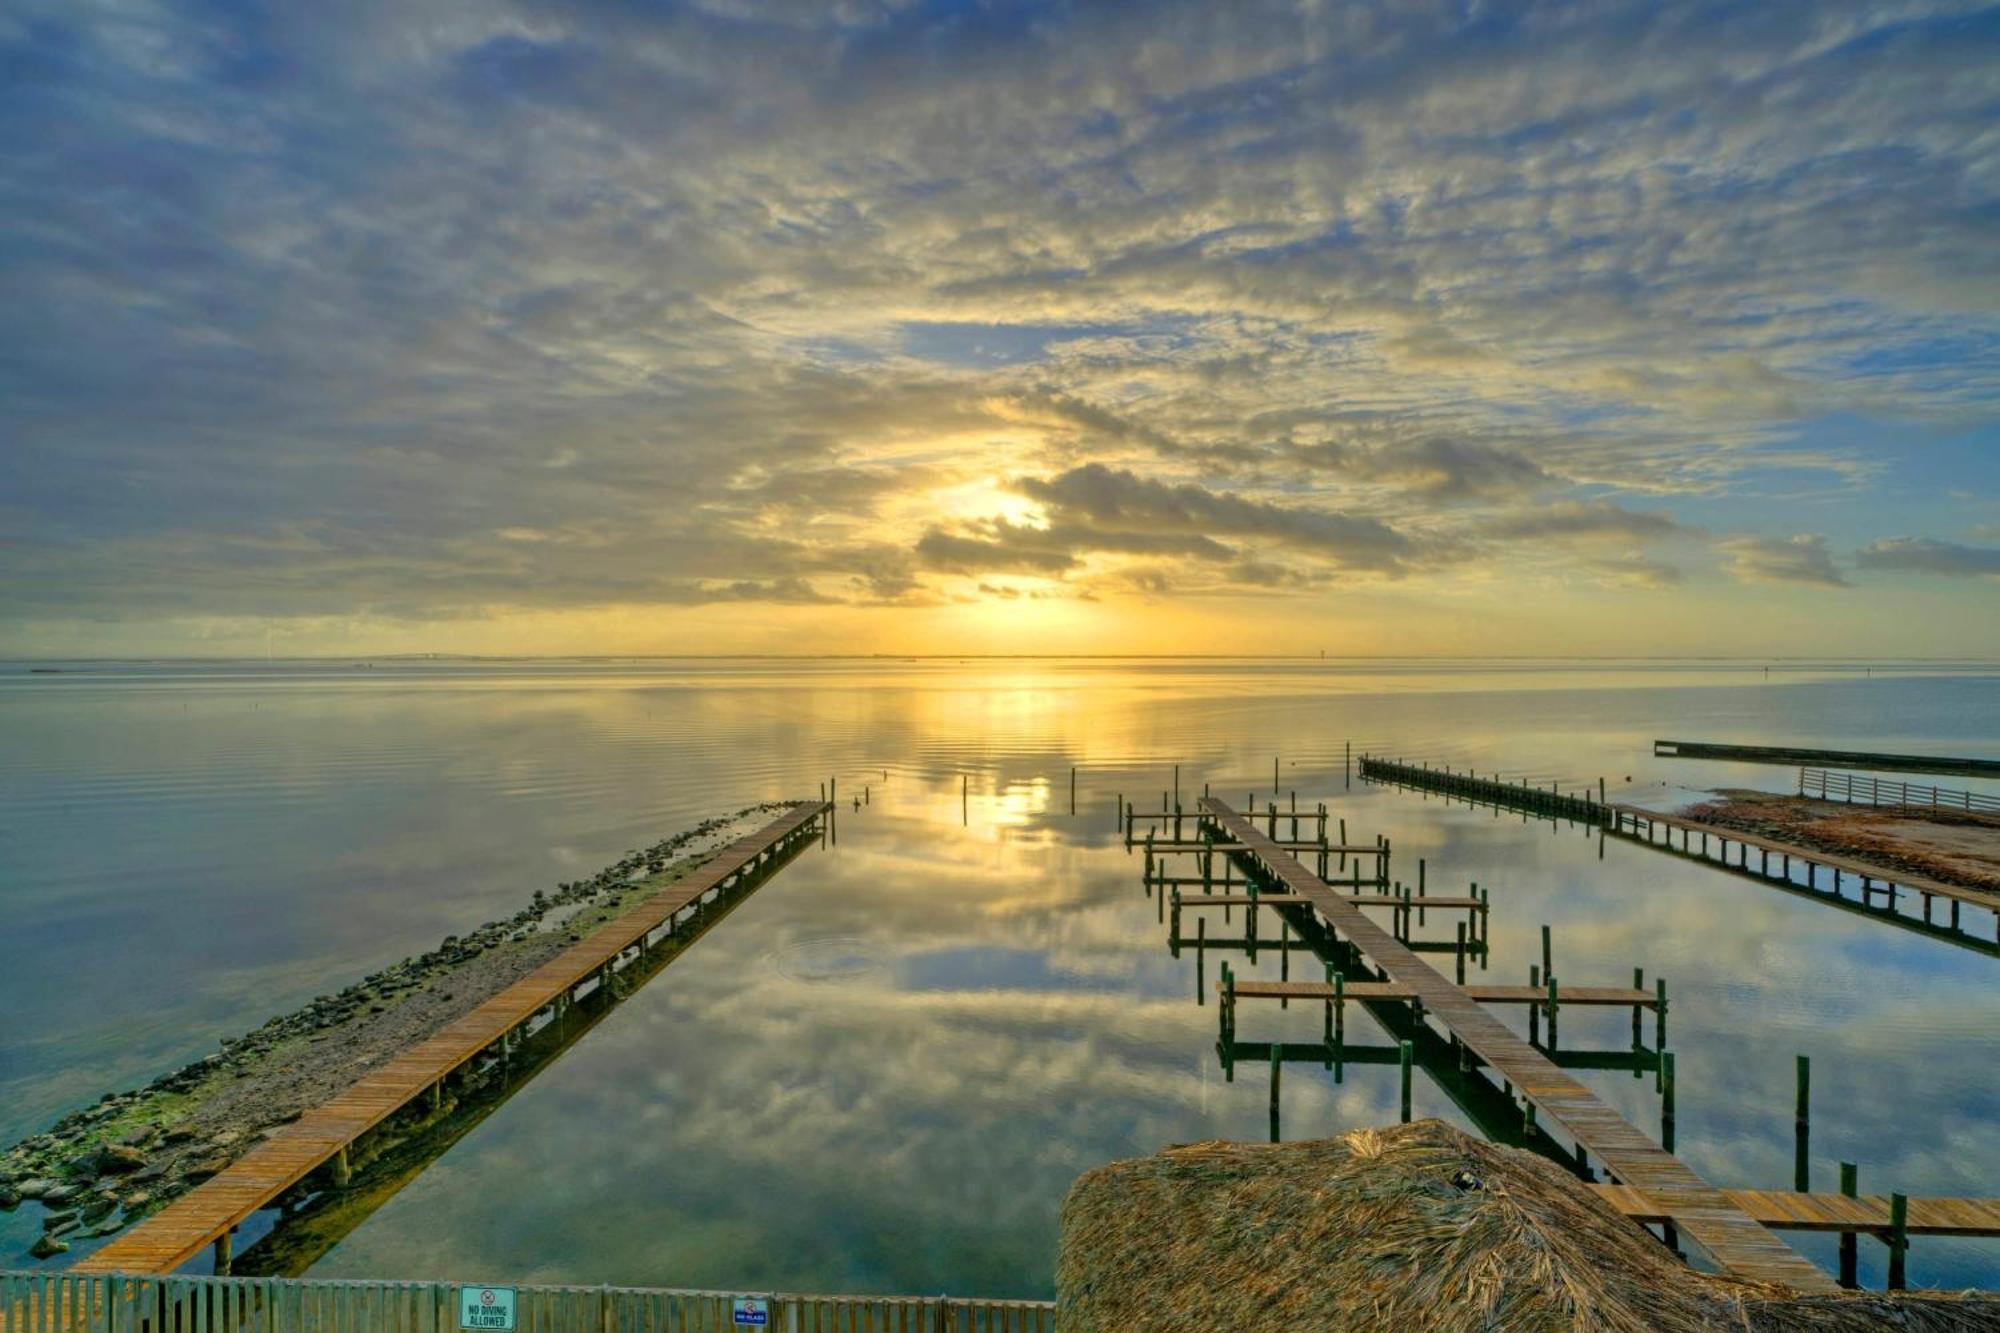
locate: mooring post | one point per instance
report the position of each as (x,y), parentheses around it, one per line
(1072,789)
(1850,1185)
(1548,959)
(1638,984)
(1802,1128)
(1420,890)
(1274,776)
(1347,769)
(1339,1023)
(1660,1013)
(1174,929)
(1550,977)
(1534,1010)
(223,1247)
(1899,1240)
(1200,959)
(1461,953)
(1404,1052)
(1277,1072)
(1284,955)
(1667,1100)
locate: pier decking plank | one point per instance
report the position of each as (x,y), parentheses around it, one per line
(1702,1213)
(1395,990)
(178,1232)
(1351,899)
(1789,1211)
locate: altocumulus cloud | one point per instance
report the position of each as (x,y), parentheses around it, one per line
(432,311)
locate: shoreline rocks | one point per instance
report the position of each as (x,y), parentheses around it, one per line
(131,1152)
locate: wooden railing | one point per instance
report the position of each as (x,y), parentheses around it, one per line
(1861,789)
(112,1303)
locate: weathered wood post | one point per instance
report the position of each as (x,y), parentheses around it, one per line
(1802,1128)
(1284,955)
(1404,1052)
(1850,1185)
(1174,926)
(1460,956)
(1660,1013)
(1899,1240)
(1277,1072)
(1339,1023)
(1200,959)
(1534,1010)
(1638,984)
(1553,1007)
(1072,789)
(1667,1100)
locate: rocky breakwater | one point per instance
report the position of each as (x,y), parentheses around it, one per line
(99,1169)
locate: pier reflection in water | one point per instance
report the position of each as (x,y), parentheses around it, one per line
(887,1067)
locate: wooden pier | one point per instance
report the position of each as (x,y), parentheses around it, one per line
(1790,866)
(1737,1243)
(1791,756)
(210,1213)
(1786,1210)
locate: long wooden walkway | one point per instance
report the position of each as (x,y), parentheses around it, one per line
(213,1209)
(1703,1214)
(1644,825)
(1789,755)
(1787,1211)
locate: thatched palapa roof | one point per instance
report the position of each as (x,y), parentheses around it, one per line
(1413,1227)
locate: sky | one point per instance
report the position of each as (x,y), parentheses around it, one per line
(596,326)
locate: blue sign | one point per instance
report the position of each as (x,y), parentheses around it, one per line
(750,1311)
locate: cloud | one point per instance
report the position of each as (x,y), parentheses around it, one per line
(1119,505)
(1573,520)
(1924,555)
(1435,467)
(1799,559)
(446,311)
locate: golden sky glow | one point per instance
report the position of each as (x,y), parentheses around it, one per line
(545,328)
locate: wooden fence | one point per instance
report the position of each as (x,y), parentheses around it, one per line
(113,1303)
(1861,789)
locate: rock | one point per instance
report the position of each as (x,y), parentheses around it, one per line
(224,1138)
(117,1159)
(178,1134)
(46,1246)
(134,1202)
(56,1195)
(10,1198)
(202,1170)
(36,1188)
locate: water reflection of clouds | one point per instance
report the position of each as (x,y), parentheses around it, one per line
(912,1125)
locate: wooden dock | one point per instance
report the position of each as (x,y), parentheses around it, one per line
(1784,1210)
(1648,826)
(210,1213)
(1790,866)
(1737,1243)
(1792,756)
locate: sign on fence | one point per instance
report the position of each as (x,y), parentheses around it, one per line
(486,1307)
(750,1311)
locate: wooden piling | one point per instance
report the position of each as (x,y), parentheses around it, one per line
(1802,1128)
(1850,1185)
(1899,1240)
(1405,1051)
(1277,1073)
(1667,1100)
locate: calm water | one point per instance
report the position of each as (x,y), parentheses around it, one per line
(883,1071)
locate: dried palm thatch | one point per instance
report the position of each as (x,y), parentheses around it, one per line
(1414,1227)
